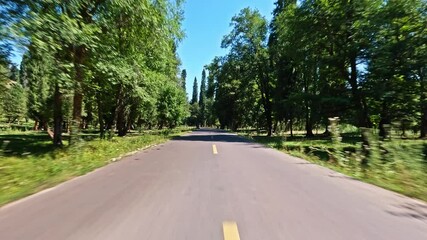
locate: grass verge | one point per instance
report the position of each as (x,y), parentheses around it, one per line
(28,162)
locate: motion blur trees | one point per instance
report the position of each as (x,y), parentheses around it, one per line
(94,62)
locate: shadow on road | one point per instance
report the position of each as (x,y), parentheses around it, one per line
(211,138)
(212,135)
(417,211)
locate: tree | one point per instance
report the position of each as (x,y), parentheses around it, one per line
(14,73)
(13,102)
(213,69)
(184,79)
(36,72)
(202,99)
(362,61)
(283,67)
(248,41)
(171,106)
(195,92)
(396,68)
(236,96)
(99,53)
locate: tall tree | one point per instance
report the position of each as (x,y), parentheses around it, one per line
(282,65)
(194,99)
(14,73)
(184,79)
(213,69)
(202,99)
(248,41)
(396,68)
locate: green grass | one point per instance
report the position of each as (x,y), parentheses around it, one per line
(397,165)
(29,163)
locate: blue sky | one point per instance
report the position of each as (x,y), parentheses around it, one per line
(205,23)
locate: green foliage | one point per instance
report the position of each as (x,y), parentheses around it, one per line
(94,63)
(13,102)
(193,119)
(202,99)
(171,106)
(194,98)
(243,85)
(184,79)
(36,72)
(362,61)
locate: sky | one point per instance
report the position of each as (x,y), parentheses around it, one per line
(205,23)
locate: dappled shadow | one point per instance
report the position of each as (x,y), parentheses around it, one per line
(340,176)
(35,143)
(410,210)
(25,144)
(211,135)
(211,138)
(304,163)
(350,139)
(260,146)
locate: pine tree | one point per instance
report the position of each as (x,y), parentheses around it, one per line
(202,99)
(184,79)
(195,91)
(14,73)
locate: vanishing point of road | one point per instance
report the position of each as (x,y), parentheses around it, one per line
(213,185)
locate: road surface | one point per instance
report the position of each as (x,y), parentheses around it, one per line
(213,185)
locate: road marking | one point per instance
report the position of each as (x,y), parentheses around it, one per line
(214,150)
(230,231)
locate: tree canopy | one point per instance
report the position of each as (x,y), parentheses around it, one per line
(363,61)
(111,64)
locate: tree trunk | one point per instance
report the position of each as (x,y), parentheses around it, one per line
(424,121)
(423,101)
(100,117)
(36,125)
(266,101)
(44,125)
(120,113)
(308,117)
(363,118)
(79,56)
(308,124)
(291,126)
(385,120)
(57,117)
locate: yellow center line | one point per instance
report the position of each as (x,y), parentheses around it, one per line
(230,231)
(214,150)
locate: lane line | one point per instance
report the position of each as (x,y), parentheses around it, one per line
(214,150)
(231,232)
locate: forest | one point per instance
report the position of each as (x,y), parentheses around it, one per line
(363,61)
(110,65)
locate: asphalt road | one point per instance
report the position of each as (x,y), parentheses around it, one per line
(212,185)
